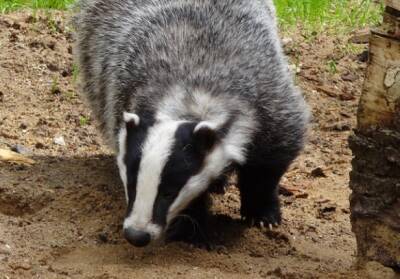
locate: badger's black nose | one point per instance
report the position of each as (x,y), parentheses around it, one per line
(137,238)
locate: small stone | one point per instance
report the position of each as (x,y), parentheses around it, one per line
(5,250)
(1,97)
(21,149)
(59,140)
(23,126)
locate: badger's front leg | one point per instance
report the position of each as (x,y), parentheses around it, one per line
(259,194)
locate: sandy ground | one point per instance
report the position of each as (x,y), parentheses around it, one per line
(61,218)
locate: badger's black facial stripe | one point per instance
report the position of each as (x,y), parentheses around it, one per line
(134,141)
(185,161)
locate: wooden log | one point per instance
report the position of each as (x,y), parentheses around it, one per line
(395,4)
(375,178)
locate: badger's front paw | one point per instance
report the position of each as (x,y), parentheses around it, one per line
(268,216)
(189,230)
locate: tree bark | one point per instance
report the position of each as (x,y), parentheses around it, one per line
(375,178)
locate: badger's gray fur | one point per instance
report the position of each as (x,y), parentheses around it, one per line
(216,64)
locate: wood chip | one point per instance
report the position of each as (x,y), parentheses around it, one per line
(331,92)
(11,156)
(303,195)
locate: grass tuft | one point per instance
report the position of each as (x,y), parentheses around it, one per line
(308,15)
(328,15)
(12,5)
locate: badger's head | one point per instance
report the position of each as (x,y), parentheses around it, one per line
(163,168)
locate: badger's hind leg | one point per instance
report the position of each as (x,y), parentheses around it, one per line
(190,225)
(259,194)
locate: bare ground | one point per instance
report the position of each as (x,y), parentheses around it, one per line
(61,218)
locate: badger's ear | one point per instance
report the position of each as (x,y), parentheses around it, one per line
(205,135)
(131,120)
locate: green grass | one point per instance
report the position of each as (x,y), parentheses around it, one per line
(84,120)
(11,5)
(310,15)
(328,15)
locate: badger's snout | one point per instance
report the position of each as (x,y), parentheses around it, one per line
(136,237)
(140,233)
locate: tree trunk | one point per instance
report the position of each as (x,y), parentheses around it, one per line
(375,178)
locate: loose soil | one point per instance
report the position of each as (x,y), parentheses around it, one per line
(61,217)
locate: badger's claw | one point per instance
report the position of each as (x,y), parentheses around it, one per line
(265,216)
(263,225)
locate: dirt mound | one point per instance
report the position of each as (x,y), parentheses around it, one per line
(61,217)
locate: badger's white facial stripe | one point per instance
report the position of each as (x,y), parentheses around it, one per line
(120,159)
(155,153)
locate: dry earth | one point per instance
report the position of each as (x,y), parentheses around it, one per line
(61,217)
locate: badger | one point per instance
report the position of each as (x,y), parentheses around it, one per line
(183,91)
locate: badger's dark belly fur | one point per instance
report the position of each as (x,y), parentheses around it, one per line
(205,83)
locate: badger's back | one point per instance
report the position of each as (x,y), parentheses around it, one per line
(135,54)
